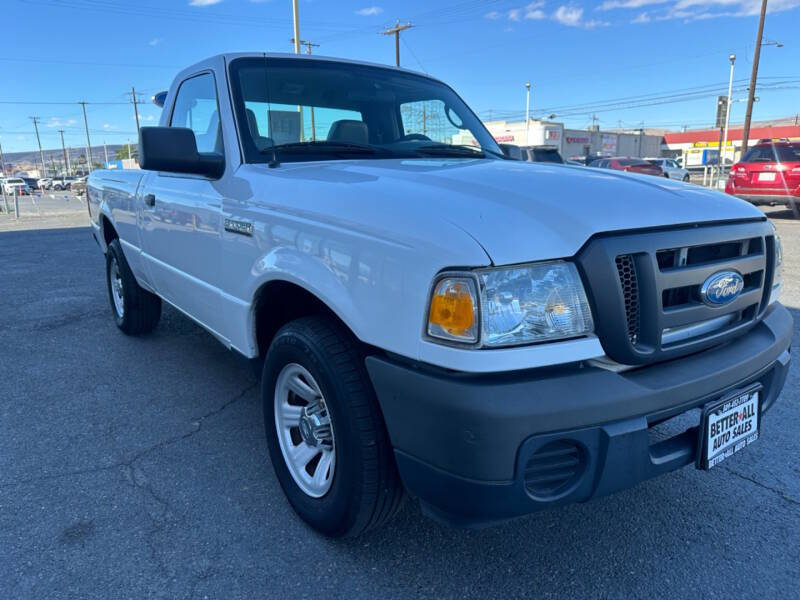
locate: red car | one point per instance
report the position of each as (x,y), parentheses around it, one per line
(768,173)
(631,165)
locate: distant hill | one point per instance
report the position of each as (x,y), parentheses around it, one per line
(57,155)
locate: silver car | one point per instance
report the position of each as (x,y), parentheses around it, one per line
(671,168)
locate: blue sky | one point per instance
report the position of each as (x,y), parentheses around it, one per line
(575,53)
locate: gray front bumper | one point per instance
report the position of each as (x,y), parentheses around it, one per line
(462,441)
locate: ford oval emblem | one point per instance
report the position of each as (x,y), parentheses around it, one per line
(721,288)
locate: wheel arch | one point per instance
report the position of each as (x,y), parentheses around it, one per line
(108,230)
(279,301)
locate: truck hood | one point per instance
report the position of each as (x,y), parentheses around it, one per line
(520,211)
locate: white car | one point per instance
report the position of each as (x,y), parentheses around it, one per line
(492,337)
(671,168)
(10,184)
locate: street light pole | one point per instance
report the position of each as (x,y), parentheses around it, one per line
(296,18)
(527,112)
(753,77)
(724,147)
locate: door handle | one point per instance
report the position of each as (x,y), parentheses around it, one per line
(150,200)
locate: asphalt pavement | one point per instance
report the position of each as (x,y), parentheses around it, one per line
(137,467)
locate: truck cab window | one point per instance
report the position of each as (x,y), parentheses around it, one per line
(196,108)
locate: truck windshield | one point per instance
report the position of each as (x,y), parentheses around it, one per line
(312,110)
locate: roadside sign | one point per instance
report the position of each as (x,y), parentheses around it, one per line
(722,111)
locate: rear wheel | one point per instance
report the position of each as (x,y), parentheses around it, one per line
(327,440)
(135,309)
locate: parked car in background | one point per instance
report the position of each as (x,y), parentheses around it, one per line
(574,163)
(45,183)
(31,182)
(78,186)
(541,154)
(670,168)
(15,183)
(588,159)
(62,183)
(629,165)
(768,173)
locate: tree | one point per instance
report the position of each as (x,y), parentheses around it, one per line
(122,153)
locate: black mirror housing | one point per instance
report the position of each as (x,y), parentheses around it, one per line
(174,150)
(511,151)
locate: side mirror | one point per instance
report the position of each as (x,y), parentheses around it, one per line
(174,150)
(511,151)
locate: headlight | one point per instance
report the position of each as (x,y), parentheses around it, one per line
(532,303)
(519,305)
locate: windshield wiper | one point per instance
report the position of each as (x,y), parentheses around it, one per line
(451,150)
(321,147)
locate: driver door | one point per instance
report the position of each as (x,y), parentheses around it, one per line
(181,214)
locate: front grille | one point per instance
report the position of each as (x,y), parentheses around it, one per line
(553,468)
(645,288)
(626,268)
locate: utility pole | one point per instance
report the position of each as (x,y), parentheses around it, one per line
(308,46)
(3,174)
(88,142)
(724,146)
(135,110)
(396,32)
(64,150)
(69,159)
(296,18)
(753,77)
(39,142)
(105,153)
(2,162)
(527,113)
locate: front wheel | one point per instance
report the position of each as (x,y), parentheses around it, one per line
(686,178)
(327,440)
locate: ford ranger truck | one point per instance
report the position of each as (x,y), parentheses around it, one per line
(490,337)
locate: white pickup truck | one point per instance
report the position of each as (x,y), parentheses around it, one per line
(491,337)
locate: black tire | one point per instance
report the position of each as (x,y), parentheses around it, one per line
(141,310)
(366,490)
(686,179)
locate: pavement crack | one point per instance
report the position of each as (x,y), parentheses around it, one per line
(764,486)
(197,422)
(130,463)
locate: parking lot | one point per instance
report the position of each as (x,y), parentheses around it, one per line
(137,467)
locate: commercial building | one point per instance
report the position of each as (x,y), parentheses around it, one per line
(576,142)
(696,142)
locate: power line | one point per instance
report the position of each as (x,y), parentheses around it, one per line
(47,102)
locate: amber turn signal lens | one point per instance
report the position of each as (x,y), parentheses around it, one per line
(453,310)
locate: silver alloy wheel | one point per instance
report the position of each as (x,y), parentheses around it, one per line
(305,430)
(116,288)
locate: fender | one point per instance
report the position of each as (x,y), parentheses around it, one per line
(308,273)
